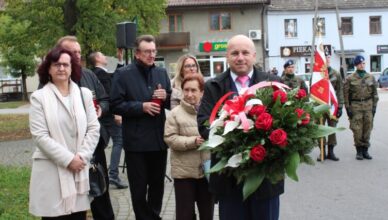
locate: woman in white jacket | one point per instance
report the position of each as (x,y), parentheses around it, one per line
(65,128)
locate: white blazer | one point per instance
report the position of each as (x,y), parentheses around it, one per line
(60,131)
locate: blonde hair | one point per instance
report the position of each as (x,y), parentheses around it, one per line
(66,38)
(178,78)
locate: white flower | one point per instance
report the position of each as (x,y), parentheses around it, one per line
(234,161)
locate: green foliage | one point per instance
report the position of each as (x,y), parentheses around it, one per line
(14,185)
(93,22)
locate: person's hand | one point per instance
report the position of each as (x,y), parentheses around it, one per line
(159,93)
(339,113)
(349,113)
(374,111)
(151,108)
(120,53)
(77,164)
(98,111)
(118,119)
(199,140)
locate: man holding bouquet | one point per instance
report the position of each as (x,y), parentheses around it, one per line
(263,204)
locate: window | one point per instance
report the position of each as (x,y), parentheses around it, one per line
(349,65)
(347,25)
(175,23)
(375,63)
(375,25)
(290,28)
(321,26)
(220,21)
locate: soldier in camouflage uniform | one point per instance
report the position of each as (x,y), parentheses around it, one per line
(336,81)
(289,77)
(360,94)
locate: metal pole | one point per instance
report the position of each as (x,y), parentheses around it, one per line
(343,65)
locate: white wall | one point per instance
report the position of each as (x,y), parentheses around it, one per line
(361,39)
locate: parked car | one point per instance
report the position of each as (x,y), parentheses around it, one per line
(383,79)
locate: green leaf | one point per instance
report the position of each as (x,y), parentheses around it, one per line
(219,166)
(252,182)
(204,146)
(320,109)
(292,166)
(323,131)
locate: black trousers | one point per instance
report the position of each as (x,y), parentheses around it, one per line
(187,193)
(72,216)
(146,172)
(232,207)
(101,206)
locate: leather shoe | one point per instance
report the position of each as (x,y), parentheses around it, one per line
(118,183)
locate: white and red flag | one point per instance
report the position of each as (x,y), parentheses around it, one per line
(321,89)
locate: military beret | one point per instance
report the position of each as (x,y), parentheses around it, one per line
(288,63)
(358,59)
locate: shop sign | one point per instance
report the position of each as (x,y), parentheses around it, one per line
(212,46)
(301,51)
(382,48)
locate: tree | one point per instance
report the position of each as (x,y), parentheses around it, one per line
(93,22)
(18,54)
(30,28)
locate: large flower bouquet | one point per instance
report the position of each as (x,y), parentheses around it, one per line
(265,132)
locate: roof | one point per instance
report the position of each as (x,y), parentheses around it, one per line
(178,3)
(307,5)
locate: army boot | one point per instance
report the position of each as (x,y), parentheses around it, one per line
(359,155)
(365,153)
(330,153)
(324,154)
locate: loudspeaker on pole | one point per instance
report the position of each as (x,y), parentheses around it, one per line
(125,35)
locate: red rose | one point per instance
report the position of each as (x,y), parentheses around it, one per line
(257,153)
(282,95)
(301,94)
(264,121)
(305,119)
(278,137)
(257,110)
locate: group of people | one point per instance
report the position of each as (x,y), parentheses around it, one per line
(359,95)
(76,111)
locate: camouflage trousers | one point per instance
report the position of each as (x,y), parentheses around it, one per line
(361,124)
(332,139)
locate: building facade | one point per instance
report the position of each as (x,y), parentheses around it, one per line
(290,32)
(203,28)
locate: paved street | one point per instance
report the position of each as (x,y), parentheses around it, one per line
(348,189)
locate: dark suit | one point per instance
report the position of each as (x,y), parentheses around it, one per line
(145,150)
(226,190)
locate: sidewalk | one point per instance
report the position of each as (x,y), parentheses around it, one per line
(24,109)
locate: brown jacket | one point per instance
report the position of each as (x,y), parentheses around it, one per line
(180,133)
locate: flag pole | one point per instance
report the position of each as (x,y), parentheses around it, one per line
(316,31)
(343,65)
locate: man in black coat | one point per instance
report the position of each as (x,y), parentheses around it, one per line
(264,203)
(140,93)
(111,122)
(101,206)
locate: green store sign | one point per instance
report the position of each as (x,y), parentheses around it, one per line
(212,46)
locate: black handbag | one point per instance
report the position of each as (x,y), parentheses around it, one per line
(96,171)
(96,179)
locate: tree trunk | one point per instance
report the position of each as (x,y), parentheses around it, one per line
(24,84)
(70,14)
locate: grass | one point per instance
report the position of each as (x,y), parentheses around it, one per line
(14,127)
(15,104)
(14,185)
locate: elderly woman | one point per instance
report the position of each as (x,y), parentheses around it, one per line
(181,134)
(64,126)
(187,64)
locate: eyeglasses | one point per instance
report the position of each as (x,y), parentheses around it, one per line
(188,66)
(149,52)
(58,65)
